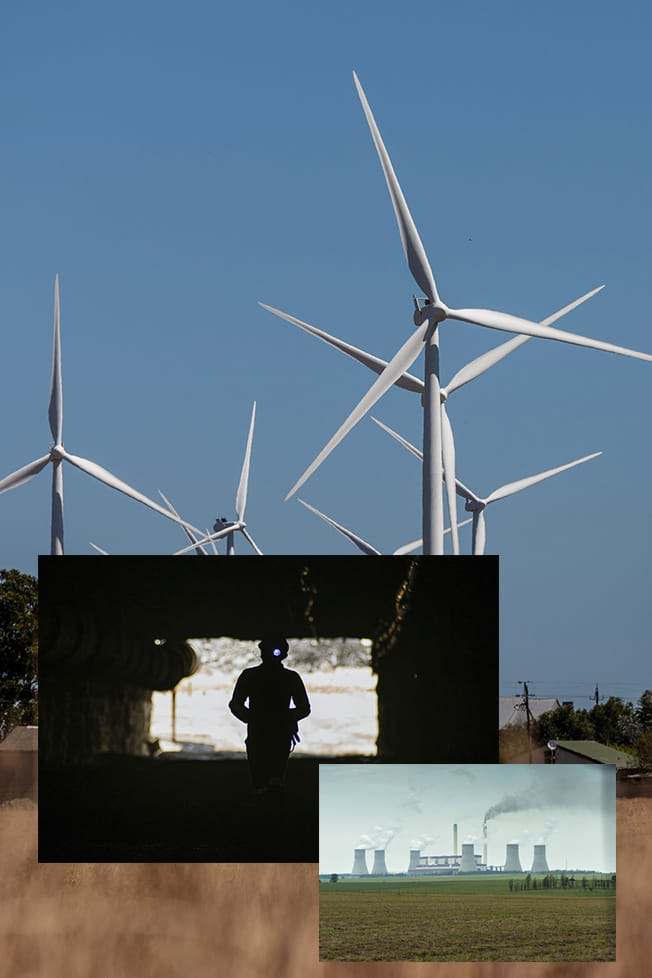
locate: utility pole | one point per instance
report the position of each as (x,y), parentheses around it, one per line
(596,695)
(526,697)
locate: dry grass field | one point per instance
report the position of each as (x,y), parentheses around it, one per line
(164,921)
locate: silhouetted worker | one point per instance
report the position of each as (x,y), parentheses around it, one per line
(272,724)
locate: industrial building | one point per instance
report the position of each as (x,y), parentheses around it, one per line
(444,865)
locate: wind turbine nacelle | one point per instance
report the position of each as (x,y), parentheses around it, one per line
(425,311)
(474,505)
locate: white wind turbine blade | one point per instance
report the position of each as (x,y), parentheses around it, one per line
(56,528)
(482,363)
(448,458)
(191,536)
(104,553)
(213,544)
(103,475)
(414,251)
(395,368)
(460,488)
(408,548)
(241,494)
(218,535)
(513,324)
(251,541)
(479,533)
(55,408)
(406,381)
(399,438)
(20,476)
(361,544)
(465,493)
(513,487)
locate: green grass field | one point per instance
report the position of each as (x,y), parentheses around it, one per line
(464,919)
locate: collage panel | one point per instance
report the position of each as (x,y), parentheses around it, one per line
(185,704)
(467,863)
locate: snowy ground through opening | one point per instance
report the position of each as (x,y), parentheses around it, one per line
(337,675)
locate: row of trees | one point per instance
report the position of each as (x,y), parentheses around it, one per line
(615,723)
(18,645)
(563,882)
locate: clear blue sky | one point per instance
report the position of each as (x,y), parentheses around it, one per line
(571,810)
(177,163)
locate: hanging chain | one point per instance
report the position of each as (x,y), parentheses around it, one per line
(310,596)
(388,631)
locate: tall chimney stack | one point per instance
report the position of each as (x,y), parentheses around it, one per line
(512,860)
(415,856)
(484,847)
(540,863)
(467,865)
(455,838)
(379,867)
(359,863)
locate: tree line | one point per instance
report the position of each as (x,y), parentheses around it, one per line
(18,647)
(616,723)
(562,882)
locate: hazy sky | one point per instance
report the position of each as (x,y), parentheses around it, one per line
(177,163)
(571,809)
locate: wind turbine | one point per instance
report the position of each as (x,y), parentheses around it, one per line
(477,504)
(224,527)
(475,368)
(428,314)
(361,544)
(57,454)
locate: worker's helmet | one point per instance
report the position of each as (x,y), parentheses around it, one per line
(274,648)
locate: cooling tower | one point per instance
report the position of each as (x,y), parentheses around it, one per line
(380,869)
(512,861)
(467,864)
(540,863)
(455,839)
(415,856)
(359,863)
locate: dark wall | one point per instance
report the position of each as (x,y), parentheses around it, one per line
(83,718)
(438,685)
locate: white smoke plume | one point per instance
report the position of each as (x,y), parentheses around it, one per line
(421,841)
(379,838)
(413,801)
(549,828)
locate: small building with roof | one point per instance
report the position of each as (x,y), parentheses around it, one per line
(578,752)
(511,709)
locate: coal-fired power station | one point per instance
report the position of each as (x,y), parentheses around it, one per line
(512,859)
(540,863)
(379,867)
(359,863)
(468,861)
